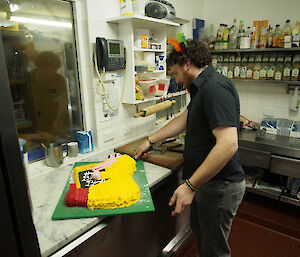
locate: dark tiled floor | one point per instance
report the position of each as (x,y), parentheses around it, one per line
(262,228)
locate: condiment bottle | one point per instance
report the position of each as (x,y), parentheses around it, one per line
(276,35)
(287,34)
(270,37)
(250,67)
(287,67)
(233,35)
(295,68)
(278,72)
(237,67)
(243,73)
(264,67)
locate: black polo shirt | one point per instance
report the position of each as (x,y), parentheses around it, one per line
(214,103)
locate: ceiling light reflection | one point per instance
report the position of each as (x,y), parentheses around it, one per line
(41,22)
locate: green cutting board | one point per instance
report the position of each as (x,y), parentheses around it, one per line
(145,204)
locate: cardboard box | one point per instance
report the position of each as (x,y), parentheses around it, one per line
(263,40)
(198,24)
(256,34)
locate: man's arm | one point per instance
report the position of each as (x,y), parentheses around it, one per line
(221,153)
(173,128)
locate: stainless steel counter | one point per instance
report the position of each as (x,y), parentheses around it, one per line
(279,145)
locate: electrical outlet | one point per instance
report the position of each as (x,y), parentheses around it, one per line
(108,136)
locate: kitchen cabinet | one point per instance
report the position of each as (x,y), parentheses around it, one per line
(131,27)
(269,158)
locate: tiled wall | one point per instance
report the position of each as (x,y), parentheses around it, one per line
(259,99)
(91,16)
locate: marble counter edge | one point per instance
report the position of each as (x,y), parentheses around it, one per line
(44,199)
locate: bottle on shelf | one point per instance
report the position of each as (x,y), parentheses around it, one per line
(278,72)
(257,66)
(233,35)
(225,37)
(276,35)
(237,67)
(243,72)
(287,68)
(264,67)
(271,67)
(295,68)
(240,33)
(255,34)
(220,32)
(245,40)
(211,36)
(287,34)
(296,35)
(270,37)
(250,67)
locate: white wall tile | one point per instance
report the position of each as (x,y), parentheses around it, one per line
(253,98)
(268,99)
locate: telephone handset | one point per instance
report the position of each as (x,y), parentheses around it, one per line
(110,54)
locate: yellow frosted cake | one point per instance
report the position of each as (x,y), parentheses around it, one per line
(112,187)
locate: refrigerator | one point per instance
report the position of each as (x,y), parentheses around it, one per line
(18,235)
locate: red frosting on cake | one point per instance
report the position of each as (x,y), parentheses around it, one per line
(77,196)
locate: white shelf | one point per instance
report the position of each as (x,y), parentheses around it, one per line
(149,50)
(142,20)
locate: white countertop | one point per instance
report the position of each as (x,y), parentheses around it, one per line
(46,190)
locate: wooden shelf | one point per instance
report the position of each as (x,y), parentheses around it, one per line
(293,49)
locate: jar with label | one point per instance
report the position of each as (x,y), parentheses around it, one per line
(295,68)
(256,71)
(263,71)
(225,69)
(237,71)
(220,58)
(271,71)
(214,61)
(238,59)
(232,58)
(280,58)
(278,72)
(219,68)
(250,67)
(243,72)
(287,68)
(258,58)
(230,73)
(272,58)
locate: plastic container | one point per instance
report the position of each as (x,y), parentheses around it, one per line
(162,87)
(148,87)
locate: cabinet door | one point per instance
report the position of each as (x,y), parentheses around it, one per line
(254,158)
(285,166)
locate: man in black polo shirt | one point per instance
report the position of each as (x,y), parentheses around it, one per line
(214,179)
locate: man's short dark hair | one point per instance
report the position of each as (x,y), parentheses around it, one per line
(197,54)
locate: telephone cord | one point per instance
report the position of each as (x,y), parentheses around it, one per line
(100,82)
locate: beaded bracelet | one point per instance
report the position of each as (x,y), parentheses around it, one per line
(191,186)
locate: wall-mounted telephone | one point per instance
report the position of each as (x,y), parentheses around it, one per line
(110,54)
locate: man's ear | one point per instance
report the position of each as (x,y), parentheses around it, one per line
(188,64)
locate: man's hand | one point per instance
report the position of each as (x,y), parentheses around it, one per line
(183,196)
(142,149)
